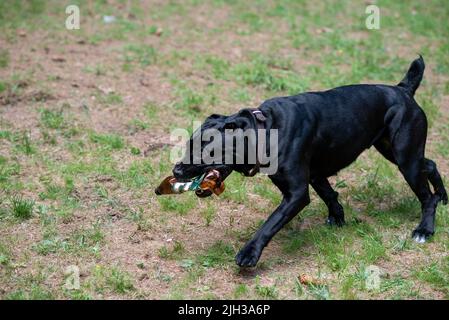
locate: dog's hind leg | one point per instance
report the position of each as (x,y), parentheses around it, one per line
(408,132)
(384,147)
(330,198)
(435,180)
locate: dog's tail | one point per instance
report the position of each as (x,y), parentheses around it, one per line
(414,76)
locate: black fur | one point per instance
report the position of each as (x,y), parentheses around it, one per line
(322,133)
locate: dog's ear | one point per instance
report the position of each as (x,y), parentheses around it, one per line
(215,116)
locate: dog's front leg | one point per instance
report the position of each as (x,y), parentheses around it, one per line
(291,204)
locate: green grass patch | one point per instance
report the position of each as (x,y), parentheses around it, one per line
(151,110)
(137,125)
(268,193)
(119,281)
(35,292)
(21,208)
(219,254)
(24,144)
(436,274)
(138,175)
(31,286)
(109,98)
(236,188)
(4,58)
(240,290)
(17,13)
(8,169)
(208,214)
(52,119)
(144,55)
(109,141)
(110,279)
(179,204)
(271,74)
(5,255)
(265,291)
(175,252)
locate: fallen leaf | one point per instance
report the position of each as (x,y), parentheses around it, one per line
(308,280)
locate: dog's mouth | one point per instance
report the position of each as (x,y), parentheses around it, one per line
(190,176)
(185,179)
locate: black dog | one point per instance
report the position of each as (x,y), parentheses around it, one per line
(321,133)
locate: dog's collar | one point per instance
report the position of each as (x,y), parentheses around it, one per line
(260,124)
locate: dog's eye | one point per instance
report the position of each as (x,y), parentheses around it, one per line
(230,125)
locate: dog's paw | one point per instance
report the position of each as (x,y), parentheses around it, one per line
(421,235)
(248,256)
(335,221)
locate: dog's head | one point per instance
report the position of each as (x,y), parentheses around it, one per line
(207,148)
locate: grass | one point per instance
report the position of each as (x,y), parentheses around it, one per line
(190,100)
(240,291)
(77,188)
(219,254)
(143,55)
(267,192)
(108,141)
(21,208)
(119,281)
(8,169)
(109,98)
(320,292)
(176,252)
(265,291)
(52,119)
(32,287)
(208,214)
(151,110)
(178,205)
(4,58)
(111,279)
(16,12)
(5,255)
(24,143)
(98,70)
(270,74)
(34,293)
(436,274)
(86,241)
(137,125)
